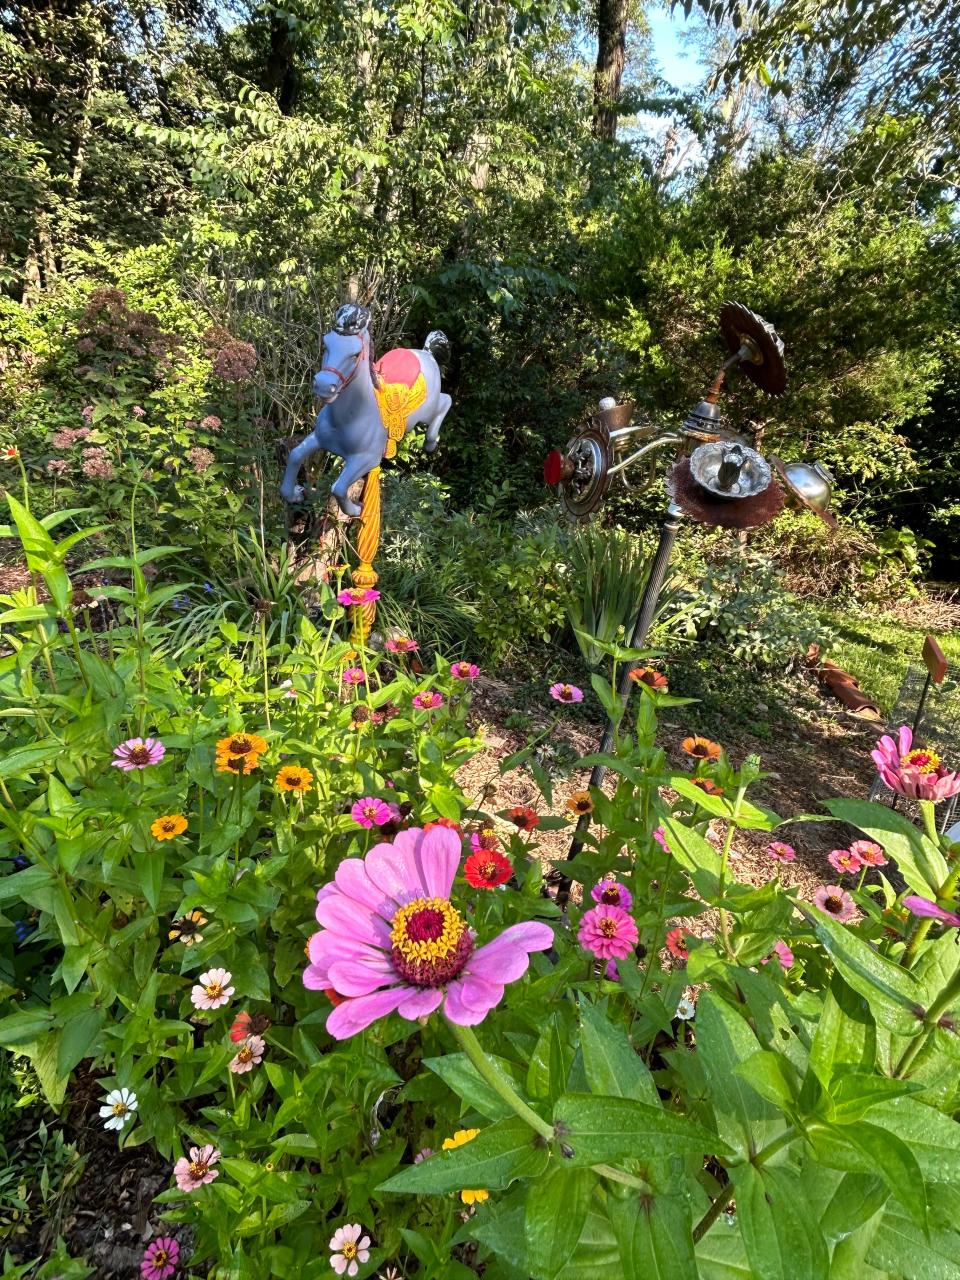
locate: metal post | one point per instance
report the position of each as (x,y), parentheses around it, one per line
(645,616)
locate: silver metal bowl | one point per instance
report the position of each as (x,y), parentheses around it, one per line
(730,469)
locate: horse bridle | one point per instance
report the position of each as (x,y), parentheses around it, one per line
(346,379)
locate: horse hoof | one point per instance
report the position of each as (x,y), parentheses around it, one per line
(294,495)
(430,446)
(347,507)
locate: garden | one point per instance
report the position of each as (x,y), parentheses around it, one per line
(410,868)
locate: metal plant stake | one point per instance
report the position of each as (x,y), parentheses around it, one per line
(716,479)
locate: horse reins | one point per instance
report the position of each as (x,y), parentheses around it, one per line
(346,380)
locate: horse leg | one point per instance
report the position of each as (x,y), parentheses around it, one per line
(290,491)
(433,429)
(355,468)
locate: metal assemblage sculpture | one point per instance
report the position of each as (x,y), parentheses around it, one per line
(366,407)
(716,478)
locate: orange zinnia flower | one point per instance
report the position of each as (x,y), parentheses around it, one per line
(702,748)
(170,825)
(236,764)
(651,678)
(580,802)
(707,785)
(241,744)
(294,778)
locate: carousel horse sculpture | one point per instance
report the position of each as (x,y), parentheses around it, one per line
(365,411)
(367,407)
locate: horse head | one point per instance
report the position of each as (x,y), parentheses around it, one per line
(345,348)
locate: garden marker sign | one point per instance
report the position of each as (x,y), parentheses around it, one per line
(365,410)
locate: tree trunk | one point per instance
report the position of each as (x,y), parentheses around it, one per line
(611,60)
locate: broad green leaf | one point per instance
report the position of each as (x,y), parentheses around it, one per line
(601,1129)
(551,1059)
(26,760)
(655,1235)
(853,1093)
(892,1160)
(893,993)
(43,1055)
(21,1028)
(725,1040)
(148,864)
(845,1035)
(459,1074)
(899,1248)
(696,855)
(556,1211)
(78,1038)
(497,1156)
(613,1067)
(772,1076)
(857,1198)
(782,1239)
(933,1138)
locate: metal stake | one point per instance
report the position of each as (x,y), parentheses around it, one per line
(645,616)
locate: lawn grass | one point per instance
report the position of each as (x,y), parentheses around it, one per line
(878,651)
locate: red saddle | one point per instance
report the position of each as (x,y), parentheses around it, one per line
(399,365)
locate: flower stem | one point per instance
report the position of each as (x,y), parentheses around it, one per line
(497,1081)
(726,1194)
(724,861)
(946,997)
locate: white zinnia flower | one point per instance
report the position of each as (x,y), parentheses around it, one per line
(118,1106)
(349,1249)
(686,1009)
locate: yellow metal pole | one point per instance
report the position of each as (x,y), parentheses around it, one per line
(368,539)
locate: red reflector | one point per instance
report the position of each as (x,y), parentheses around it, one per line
(553,467)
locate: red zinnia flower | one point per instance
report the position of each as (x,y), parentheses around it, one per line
(676,945)
(333,996)
(652,678)
(524,818)
(246,1025)
(444,822)
(486,868)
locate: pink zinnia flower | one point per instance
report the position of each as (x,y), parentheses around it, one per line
(661,838)
(160,1258)
(350,1248)
(870,854)
(912,771)
(781,852)
(358,595)
(428,700)
(611,972)
(566,693)
(401,644)
(930,910)
(197,1170)
(423,1154)
(782,953)
(613,894)
(354,675)
(609,932)
(138,753)
(844,860)
(138,411)
(249,1055)
(371,811)
(212,990)
(391,939)
(836,902)
(464,670)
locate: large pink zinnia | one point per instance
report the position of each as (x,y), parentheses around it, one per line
(913,772)
(392,940)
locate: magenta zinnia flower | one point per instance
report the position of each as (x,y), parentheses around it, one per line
(836,902)
(427,700)
(354,675)
(138,753)
(566,693)
(781,852)
(930,910)
(608,932)
(844,860)
(391,939)
(401,644)
(371,811)
(912,771)
(357,595)
(612,893)
(661,838)
(197,1170)
(160,1258)
(782,953)
(464,670)
(870,854)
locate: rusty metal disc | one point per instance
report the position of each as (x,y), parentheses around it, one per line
(764,366)
(726,513)
(587,480)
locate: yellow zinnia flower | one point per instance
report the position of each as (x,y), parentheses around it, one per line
(169,826)
(236,764)
(241,744)
(449,1144)
(580,802)
(294,778)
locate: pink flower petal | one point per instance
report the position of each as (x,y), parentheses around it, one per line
(507,957)
(348,918)
(437,860)
(469,1000)
(352,879)
(358,977)
(420,1004)
(393,869)
(353,1015)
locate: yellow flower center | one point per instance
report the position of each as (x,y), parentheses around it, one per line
(119,1108)
(349,1250)
(922,760)
(430,942)
(245,1054)
(608,927)
(198,1168)
(160,1257)
(214,990)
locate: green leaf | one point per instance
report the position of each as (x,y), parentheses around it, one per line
(900,1249)
(933,1138)
(892,1160)
(78,1039)
(459,1074)
(893,994)
(724,1041)
(551,1060)
(655,1237)
(857,1198)
(497,1156)
(43,1055)
(613,1067)
(601,1129)
(845,1035)
(148,865)
(782,1238)
(556,1211)
(772,1077)
(853,1093)
(21,1028)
